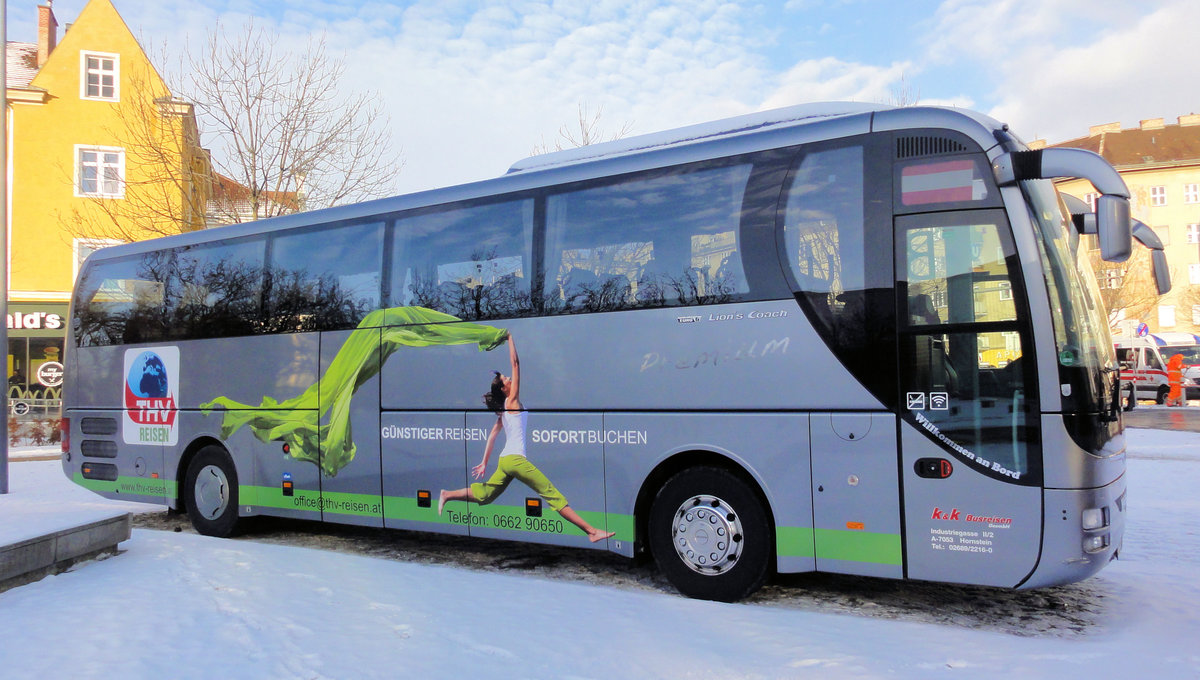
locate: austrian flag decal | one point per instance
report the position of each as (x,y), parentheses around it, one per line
(151,396)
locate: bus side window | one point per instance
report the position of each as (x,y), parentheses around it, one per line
(652,241)
(220,290)
(842,278)
(123,301)
(324,278)
(472,262)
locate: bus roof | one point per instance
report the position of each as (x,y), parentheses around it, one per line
(732,136)
(728,127)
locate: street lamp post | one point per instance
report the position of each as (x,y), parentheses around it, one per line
(4,239)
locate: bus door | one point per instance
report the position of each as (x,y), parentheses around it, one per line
(971,462)
(351,486)
(856,497)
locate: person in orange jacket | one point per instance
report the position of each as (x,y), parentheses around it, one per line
(1175,380)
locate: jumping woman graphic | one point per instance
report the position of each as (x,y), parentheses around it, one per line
(504,400)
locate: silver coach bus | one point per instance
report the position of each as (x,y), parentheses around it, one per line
(840,338)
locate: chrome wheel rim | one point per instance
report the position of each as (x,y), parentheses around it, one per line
(211,492)
(707,535)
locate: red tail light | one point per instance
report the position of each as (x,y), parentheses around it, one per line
(64,430)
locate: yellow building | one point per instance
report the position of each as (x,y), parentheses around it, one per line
(1160,163)
(99,153)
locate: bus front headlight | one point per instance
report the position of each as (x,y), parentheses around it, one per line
(1096,543)
(1095,518)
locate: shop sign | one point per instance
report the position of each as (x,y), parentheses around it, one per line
(35,321)
(50,374)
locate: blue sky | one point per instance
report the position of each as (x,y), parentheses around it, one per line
(473,86)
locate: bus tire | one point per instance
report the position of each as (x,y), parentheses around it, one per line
(710,536)
(1161,396)
(210,493)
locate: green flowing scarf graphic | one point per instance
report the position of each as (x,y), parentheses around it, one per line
(295,421)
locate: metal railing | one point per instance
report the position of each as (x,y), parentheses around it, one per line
(34,402)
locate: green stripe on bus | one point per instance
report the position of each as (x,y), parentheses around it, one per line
(338,503)
(405,508)
(136,486)
(505,517)
(859,546)
(794,541)
(623,525)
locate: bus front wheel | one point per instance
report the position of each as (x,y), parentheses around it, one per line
(709,534)
(210,493)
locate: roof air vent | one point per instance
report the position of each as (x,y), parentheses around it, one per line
(915,147)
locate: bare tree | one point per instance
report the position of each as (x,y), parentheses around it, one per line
(586,132)
(283,129)
(1188,299)
(903,93)
(166,183)
(1126,286)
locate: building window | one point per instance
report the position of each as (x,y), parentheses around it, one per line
(1112,278)
(100,76)
(99,172)
(1196,315)
(1091,199)
(1158,195)
(83,247)
(1194,274)
(1193,233)
(1191,193)
(1166,316)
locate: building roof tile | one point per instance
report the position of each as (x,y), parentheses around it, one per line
(1151,144)
(21,62)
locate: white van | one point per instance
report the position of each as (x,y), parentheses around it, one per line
(1144,364)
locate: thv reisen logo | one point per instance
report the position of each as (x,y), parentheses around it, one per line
(151,396)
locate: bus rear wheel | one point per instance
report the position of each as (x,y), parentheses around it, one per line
(1161,396)
(210,493)
(709,534)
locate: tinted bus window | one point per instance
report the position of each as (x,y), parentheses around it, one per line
(215,290)
(824,238)
(205,291)
(120,301)
(667,240)
(324,279)
(473,262)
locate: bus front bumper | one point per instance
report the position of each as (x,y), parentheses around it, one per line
(1083,532)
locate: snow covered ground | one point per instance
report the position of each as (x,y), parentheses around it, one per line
(179,605)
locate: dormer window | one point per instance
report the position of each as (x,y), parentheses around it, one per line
(101,76)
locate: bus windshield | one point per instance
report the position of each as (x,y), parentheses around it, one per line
(1084,347)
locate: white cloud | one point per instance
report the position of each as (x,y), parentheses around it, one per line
(1141,69)
(467,102)
(831,79)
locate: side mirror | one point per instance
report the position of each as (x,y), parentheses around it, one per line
(1158,259)
(1081,215)
(1114,228)
(1162,276)
(1112,207)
